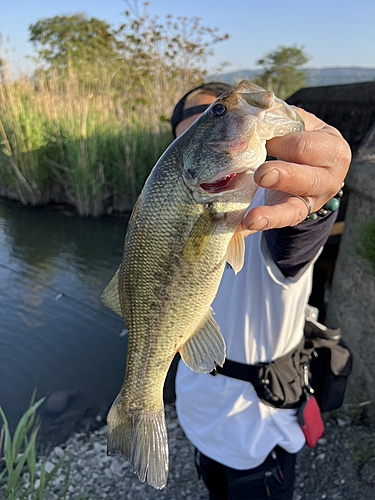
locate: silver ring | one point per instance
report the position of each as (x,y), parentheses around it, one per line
(306,202)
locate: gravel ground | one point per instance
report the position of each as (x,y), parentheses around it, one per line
(341,467)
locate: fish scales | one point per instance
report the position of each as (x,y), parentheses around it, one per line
(184,228)
(160,308)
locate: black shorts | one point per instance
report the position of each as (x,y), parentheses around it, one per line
(273,479)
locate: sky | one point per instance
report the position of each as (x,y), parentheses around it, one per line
(331,32)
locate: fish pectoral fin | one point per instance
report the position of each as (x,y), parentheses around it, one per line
(142,440)
(110,296)
(200,235)
(206,349)
(236,251)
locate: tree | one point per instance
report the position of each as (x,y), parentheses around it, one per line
(74,42)
(163,58)
(281,70)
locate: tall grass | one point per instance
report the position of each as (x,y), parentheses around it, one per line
(61,143)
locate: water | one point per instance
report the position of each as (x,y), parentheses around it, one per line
(55,334)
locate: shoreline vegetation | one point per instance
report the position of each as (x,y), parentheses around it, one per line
(62,144)
(88,125)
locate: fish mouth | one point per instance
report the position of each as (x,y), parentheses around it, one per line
(228,182)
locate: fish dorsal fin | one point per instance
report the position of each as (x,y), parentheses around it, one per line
(206,349)
(200,234)
(110,296)
(236,251)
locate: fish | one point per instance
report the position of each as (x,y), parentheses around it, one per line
(184,228)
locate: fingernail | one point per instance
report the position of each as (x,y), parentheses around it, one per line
(270,179)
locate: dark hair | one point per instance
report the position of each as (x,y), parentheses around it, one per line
(179,114)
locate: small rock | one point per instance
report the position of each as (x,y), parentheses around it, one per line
(58,401)
(343,422)
(58,452)
(49,466)
(103,461)
(116,467)
(108,473)
(99,448)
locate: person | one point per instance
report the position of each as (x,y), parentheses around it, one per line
(246,449)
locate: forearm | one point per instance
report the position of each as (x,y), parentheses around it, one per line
(293,247)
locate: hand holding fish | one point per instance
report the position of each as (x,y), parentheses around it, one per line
(313,163)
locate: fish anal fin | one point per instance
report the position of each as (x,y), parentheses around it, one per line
(141,438)
(236,251)
(206,349)
(200,235)
(110,296)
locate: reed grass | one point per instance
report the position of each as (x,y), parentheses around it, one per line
(21,477)
(59,142)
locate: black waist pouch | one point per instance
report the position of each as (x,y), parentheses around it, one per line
(322,362)
(279,383)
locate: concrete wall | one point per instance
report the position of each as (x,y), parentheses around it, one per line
(352,296)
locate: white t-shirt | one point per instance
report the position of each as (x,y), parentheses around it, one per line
(261,315)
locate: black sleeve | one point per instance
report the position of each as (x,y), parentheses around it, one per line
(293,247)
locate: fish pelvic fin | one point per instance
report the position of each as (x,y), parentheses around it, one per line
(110,296)
(236,251)
(141,438)
(200,234)
(206,349)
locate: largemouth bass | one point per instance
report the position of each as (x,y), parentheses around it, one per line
(184,227)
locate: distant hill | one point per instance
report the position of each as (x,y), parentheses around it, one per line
(316,77)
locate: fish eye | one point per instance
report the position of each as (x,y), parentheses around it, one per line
(219,109)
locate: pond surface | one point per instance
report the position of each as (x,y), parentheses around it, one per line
(55,334)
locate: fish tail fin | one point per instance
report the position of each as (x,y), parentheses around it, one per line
(142,439)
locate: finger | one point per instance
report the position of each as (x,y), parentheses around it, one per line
(299,179)
(308,147)
(319,184)
(290,212)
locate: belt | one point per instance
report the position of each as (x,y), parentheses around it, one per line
(241,371)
